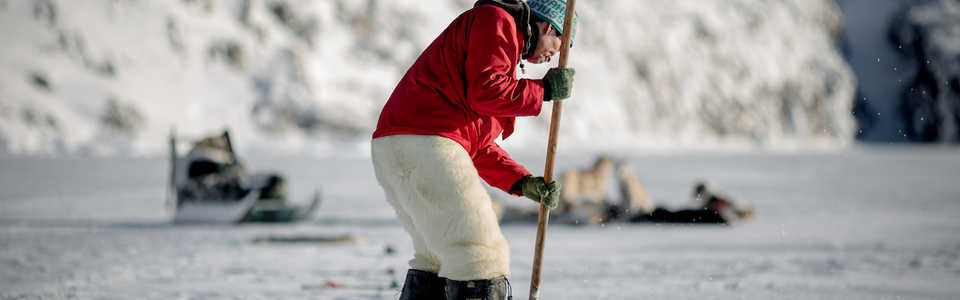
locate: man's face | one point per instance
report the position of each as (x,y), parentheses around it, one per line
(548,46)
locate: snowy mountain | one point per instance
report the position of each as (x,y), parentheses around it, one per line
(113,77)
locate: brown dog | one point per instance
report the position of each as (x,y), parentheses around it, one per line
(633,196)
(584,197)
(585,187)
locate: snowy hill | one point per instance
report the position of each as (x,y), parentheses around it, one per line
(113,77)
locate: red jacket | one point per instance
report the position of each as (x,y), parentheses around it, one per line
(464,87)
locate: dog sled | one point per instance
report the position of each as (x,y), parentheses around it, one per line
(209,184)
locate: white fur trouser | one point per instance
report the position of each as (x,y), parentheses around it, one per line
(436,191)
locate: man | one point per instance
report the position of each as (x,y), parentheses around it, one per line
(435,141)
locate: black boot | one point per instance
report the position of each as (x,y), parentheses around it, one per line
(491,289)
(422,285)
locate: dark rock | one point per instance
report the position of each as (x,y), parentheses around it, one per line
(121,117)
(174,37)
(51,122)
(74,46)
(28,116)
(35,118)
(45,11)
(229,51)
(281,11)
(303,27)
(929,33)
(63,40)
(104,68)
(40,81)
(243,13)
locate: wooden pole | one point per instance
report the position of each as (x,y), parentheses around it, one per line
(544,217)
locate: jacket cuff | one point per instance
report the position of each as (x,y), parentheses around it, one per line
(546,91)
(517,188)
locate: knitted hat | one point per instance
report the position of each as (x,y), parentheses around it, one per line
(553,12)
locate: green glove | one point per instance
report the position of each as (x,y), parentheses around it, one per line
(535,188)
(558,83)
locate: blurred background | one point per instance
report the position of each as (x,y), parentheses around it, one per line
(838,120)
(309,77)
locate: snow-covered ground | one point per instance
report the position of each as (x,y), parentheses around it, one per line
(864,223)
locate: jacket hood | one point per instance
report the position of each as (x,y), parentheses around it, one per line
(521,15)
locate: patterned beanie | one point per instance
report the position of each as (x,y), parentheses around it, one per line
(553,12)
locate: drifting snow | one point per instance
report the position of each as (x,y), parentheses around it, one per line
(310,76)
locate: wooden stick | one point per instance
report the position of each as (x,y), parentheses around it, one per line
(544,217)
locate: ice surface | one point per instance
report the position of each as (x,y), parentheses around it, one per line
(866,223)
(311,76)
